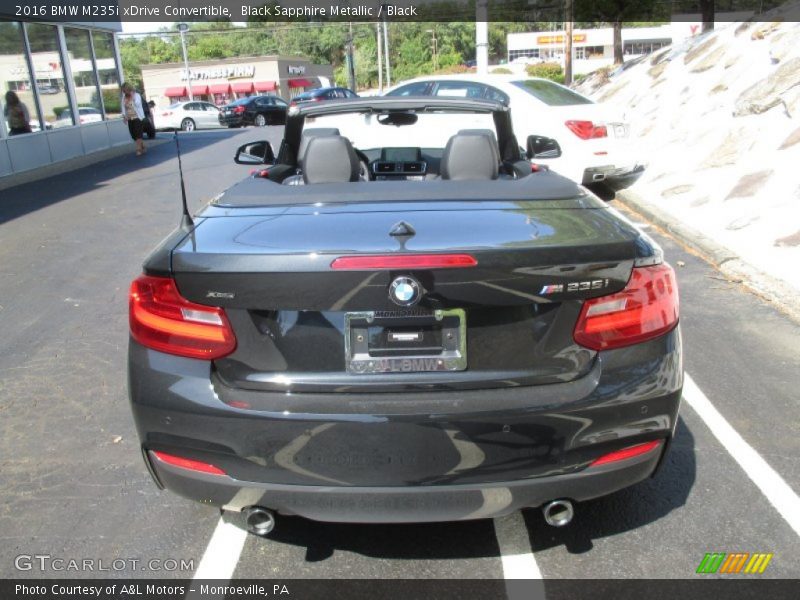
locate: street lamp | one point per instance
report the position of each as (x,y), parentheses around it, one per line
(435,55)
(183,28)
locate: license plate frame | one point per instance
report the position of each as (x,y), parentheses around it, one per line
(452,356)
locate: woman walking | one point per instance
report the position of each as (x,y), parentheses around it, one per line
(19,119)
(133,113)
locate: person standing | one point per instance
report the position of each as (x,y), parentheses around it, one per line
(133,113)
(17,115)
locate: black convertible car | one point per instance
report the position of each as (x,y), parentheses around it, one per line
(399,320)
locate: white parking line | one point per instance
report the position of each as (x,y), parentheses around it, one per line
(772,485)
(222,553)
(517,558)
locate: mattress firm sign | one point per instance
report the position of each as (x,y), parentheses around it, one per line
(227,72)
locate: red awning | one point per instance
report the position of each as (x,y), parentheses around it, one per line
(300,83)
(265,86)
(244,87)
(219,88)
(199,90)
(175,92)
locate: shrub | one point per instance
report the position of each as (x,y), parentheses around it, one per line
(550,71)
(501,71)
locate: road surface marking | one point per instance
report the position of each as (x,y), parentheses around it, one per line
(772,485)
(522,574)
(222,553)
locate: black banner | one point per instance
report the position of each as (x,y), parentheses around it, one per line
(734,588)
(584,11)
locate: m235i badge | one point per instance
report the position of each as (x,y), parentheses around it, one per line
(574,286)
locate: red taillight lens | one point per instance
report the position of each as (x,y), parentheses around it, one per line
(626,453)
(645,309)
(586,130)
(161,319)
(188,463)
(405,261)
(238,109)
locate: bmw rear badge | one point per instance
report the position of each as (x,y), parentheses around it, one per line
(404,291)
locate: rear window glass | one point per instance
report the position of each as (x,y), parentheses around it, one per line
(551,93)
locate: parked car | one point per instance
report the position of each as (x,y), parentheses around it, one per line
(254,110)
(86,114)
(188,116)
(325,93)
(420,330)
(594,147)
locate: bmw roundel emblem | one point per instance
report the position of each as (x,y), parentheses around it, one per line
(404,291)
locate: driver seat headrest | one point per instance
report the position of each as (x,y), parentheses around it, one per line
(471,154)
(330,159)
(308,135)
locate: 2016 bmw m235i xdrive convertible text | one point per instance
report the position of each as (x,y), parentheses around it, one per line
(398,320)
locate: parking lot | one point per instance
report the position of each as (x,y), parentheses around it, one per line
(73,483)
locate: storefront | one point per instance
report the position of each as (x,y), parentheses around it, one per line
(67,77)
(221,81)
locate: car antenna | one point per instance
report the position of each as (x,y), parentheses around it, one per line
(186,218)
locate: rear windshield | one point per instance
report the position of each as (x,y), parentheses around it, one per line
(551,93)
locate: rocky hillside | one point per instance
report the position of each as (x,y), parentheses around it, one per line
(717,119)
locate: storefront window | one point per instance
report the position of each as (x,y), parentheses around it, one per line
(15,78)
(87,94)
(49,75)
(107,72)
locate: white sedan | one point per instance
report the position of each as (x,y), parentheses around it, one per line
(592,143)
(187,116)
(86,114)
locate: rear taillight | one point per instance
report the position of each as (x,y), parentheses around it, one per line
(238,110)
(188,463)
(626,453)
(403,261)
(586,130)
(645,309)
(161,319)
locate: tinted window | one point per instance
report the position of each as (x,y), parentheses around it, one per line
(460,89)
(412,89)
(495,94)
(192,106)
(280,102)
(551,93)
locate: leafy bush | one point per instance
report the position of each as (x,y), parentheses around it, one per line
(501,71)
(550,71)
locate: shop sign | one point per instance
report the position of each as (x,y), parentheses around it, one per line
(226,72)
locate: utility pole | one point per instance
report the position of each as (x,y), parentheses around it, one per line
(568,46)
(380,61)
(386,53)
(183,28)
(481,37)
(435,49)
(351,69)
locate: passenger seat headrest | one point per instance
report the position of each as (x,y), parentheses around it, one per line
(471,154)
(308,135)
(330,159)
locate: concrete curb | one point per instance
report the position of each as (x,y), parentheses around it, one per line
(771,289)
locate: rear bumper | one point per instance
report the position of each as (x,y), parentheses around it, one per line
(406,457)
(613,178)
(230,120)
(406,504)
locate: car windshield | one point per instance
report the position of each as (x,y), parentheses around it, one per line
(370,132)
(551,93)
(240,101)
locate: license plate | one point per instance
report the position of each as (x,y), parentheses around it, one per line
(405,341)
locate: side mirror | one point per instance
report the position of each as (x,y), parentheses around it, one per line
(542,147)
(255,153)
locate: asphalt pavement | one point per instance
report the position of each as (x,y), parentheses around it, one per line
(73,484)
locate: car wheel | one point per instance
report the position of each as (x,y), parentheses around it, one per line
(187,125)
(260,120)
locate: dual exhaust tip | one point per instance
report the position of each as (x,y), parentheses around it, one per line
(261,521)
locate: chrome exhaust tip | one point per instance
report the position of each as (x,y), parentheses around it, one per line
(260,521)
(558,513)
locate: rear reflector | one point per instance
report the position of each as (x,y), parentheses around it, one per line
(188,463)
(162,319)
(645,309)
(405,261)
(586,130)
(626,453)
